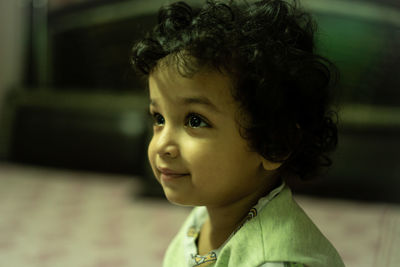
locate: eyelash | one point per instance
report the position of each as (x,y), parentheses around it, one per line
(155,117)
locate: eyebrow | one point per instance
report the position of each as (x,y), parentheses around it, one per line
(201,100)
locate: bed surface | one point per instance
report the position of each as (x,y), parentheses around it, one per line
(64,218)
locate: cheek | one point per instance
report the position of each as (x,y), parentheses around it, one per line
(151,153)
(207,159)
(226,159)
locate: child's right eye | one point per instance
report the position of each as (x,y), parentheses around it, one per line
(158,119)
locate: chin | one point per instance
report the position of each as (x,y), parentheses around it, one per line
(178,200)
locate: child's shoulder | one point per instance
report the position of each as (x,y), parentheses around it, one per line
(283,232)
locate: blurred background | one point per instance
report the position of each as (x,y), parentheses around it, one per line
(72,108)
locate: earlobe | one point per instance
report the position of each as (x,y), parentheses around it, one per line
(269,165)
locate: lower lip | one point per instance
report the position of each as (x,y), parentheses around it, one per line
(171,177)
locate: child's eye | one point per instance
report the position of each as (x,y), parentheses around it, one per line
(158,119)
(192,120)
(196,121)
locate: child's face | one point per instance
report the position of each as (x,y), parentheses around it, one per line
(200,142)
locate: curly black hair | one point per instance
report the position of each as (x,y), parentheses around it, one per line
(280,83)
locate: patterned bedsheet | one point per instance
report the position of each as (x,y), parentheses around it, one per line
(63,218)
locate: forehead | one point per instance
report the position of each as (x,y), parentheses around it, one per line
(208,87)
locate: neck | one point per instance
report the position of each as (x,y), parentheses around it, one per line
(224,220)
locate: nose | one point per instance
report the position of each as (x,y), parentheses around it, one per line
(167,146)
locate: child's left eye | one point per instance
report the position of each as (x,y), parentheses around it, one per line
(196,121)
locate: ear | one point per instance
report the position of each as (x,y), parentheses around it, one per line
(269,165)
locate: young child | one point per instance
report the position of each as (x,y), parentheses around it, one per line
(240,102)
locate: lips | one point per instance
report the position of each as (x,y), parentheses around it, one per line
(168,174)
(167,171)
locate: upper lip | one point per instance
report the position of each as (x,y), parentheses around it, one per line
(169,171)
